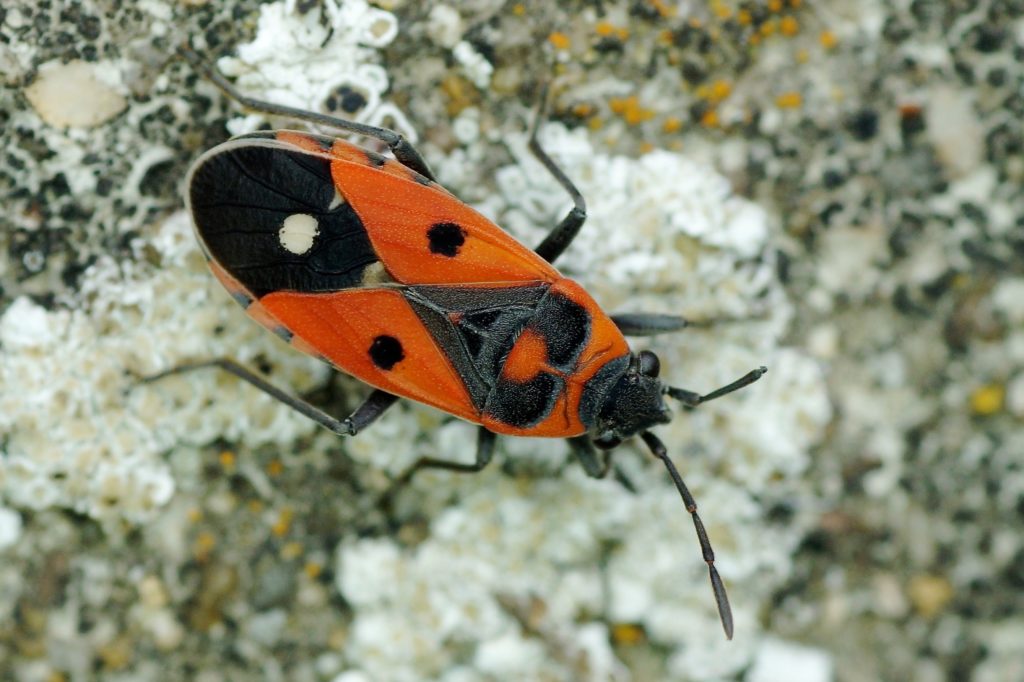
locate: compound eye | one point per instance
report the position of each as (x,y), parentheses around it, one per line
(649,363)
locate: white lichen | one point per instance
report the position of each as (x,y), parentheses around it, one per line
(518,576)
(666,234)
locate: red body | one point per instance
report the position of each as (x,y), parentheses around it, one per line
(365,263)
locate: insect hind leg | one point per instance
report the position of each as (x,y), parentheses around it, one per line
(559,239)
(403,150)
(368,412)
(484,454)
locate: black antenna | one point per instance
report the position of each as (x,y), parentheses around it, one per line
(717,586)
(691,399)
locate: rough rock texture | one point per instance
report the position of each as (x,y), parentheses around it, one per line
(835,188)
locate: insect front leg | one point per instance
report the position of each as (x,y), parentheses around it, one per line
(364,415)
(559,239)
(596,465)
(396,142)
(593,463)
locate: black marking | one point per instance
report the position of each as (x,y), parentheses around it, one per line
(446,239)
(420,179)
(445,335)
(565,327)
(596,390)
(347,99)
(476,328)
(241,194)
(374,159)
(488,320)
(386,352)
(524,404)
(241,298)
(284,333)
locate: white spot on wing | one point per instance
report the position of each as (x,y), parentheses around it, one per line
(298,232)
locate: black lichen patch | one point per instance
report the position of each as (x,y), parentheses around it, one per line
(346,99)
(446,239)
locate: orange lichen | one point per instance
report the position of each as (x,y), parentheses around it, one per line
(663,8)
(988,399)
(630,110)
(719,90)
(283,523)
(672,124)
(204,544)
(607,29)
(291,550)
(559,40)
(828,40)
(789,100)
(582,109)
(627,634)
(789,26)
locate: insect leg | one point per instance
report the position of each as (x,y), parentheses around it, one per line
(364,415)
(400,147)
(717,586)
(484,452)
(559,239)
(593,463)
(648,324)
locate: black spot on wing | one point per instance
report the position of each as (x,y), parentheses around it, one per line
(240,198)
(386,352)
(446,239)
(524,404)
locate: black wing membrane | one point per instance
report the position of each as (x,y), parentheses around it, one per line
(242,192)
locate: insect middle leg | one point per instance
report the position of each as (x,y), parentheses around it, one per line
(400,147)
(373,407)
(559,239)
(648,324)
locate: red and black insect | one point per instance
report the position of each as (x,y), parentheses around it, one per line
(367,263)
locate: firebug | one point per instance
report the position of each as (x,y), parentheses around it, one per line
(365,262)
